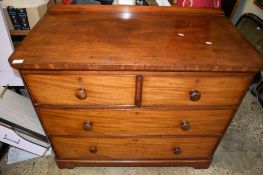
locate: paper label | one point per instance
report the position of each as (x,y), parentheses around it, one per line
(19,61)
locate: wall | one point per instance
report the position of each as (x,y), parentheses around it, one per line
(247,6)
(7,74)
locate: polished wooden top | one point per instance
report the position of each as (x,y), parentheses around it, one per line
(136,38)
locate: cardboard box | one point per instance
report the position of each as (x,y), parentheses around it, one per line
(35,10)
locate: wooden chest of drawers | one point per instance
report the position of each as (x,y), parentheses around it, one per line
(135,86)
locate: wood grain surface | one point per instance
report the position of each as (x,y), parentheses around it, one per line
(101,90)
(135,86)
(196,163)
(134,122)
(80,9)
(135,38)
(215,91)
(133,148)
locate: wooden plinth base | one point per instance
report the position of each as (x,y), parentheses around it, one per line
(195,163)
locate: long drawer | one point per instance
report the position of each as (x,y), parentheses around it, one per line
(83,89)
(134,122)
(194,90)
(133,148)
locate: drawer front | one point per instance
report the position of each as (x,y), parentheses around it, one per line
(134,122)
(82,89)
(194,90)
(133,148)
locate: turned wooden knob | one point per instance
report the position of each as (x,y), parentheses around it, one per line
(87,125)
(81,93)
(185,125)
(93,149)
(177,150)
(195,95)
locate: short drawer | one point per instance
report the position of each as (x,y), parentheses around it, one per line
(194,90)
(134,122)
(82,89)
(133,148)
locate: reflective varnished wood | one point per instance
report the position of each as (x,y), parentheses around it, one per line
(135,86)
(130,38)
(194,89)
(82,89)
(133,148)
(134,122)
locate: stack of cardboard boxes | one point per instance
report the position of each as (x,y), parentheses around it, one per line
(23,15)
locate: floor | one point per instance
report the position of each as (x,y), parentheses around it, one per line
(239,153)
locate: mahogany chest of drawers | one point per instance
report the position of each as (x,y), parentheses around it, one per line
(135,86)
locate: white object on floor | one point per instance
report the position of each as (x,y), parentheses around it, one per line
(9,136)
(163,2)
(16,155)
(19,110)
